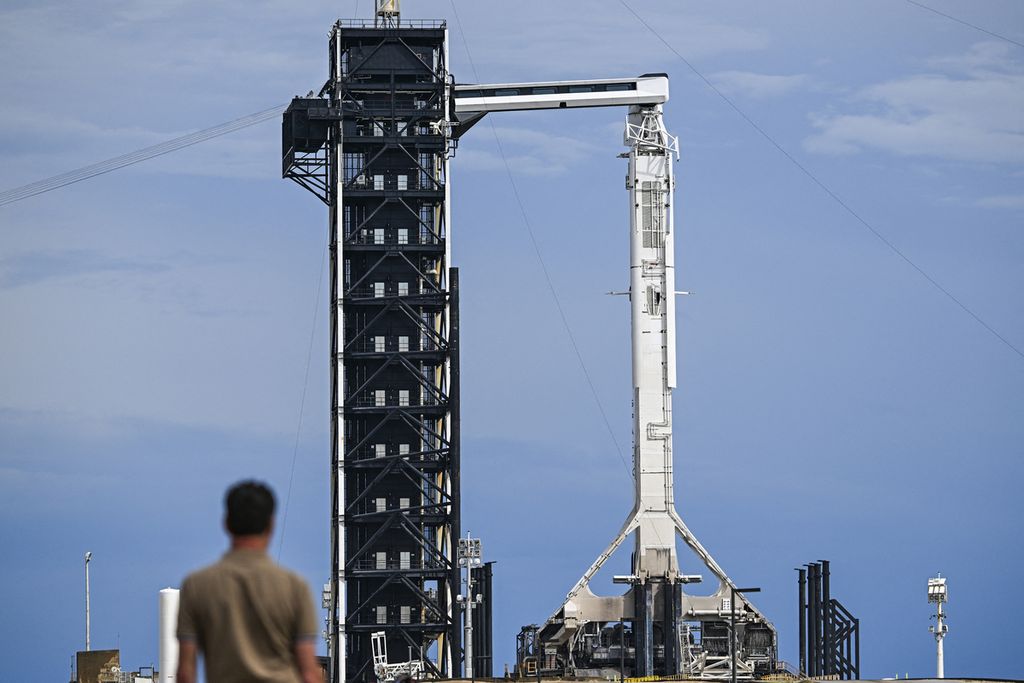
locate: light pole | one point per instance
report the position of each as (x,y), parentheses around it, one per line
(88,556)
(733,590)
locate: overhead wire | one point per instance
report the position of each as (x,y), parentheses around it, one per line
(84,173)
(965,23)
(547,275)
(302,401)
(833,195)
(166,147)
(540,258)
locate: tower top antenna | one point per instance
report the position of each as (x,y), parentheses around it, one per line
(388,13)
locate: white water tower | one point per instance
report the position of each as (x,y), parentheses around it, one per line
(937,594)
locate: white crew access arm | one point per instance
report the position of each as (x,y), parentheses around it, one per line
(475,100)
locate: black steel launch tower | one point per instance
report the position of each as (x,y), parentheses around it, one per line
(374,146)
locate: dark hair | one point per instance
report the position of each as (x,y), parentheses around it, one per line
(250,507)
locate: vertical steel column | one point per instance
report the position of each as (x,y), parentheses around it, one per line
(671,595)
(338,606)
(819,624)
(483,642)
(622,652)
(455,373)
(802,612)
(828,630)
(810,621)
(453,368)
(643,630)
(814,615)
(732,633)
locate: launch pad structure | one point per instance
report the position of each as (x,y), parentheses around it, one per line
(375,145)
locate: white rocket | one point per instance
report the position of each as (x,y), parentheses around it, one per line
(656,594)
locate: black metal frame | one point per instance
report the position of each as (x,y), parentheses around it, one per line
(829,633)
(483,617)
(374,150)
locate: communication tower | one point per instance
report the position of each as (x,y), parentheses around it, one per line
(937,594)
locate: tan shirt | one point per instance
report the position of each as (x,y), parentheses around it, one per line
(246,613)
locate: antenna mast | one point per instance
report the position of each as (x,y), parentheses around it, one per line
(388,14)
(470,558)
(88,556)
(937,594)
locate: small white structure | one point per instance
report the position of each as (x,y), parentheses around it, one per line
(937,594)
(168,635)
(88,615)
(391,672)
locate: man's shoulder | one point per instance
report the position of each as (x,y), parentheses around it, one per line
(245,563)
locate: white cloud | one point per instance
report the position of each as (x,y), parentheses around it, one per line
(758,86)
(981,56)
(972,115)
(38,266)
(1002,201)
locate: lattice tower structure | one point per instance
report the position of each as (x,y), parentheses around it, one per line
(374,146)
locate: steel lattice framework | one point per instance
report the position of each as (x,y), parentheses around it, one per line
(374,147)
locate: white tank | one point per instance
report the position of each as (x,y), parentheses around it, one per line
(168,635)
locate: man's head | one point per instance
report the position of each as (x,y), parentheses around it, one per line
(249,509)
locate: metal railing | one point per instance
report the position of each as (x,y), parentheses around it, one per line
(371,564)
(433,455)
(404,23)
(391,181)
(390,290)
(391,402)
(391,237)
(369,507)
(392,344)
(405,105)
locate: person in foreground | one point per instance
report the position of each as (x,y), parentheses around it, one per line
(251,619)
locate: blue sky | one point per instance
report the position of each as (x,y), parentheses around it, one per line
(832,403)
